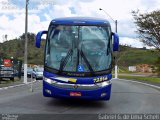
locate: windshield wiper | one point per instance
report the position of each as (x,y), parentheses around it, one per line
(65,60)
(87,62)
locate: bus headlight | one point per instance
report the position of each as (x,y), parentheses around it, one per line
(50,81)
(103,84)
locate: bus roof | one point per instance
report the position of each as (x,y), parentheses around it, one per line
(81,21)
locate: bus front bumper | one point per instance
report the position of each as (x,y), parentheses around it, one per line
(71,91)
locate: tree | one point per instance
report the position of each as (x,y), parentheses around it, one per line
(148,27)
(31,37)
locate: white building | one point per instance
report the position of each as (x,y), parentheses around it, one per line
(132,68)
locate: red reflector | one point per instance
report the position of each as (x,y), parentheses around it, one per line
(75,94)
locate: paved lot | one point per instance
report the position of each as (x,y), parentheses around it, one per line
(17,81)
(127,97)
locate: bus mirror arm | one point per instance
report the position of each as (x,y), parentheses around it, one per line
(115,42)
(38,38)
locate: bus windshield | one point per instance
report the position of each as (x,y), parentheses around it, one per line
(77,48)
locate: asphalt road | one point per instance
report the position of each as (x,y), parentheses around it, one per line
(127,97)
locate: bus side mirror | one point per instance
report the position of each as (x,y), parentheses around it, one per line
(115,42)
(38,38)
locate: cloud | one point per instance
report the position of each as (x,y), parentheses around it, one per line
(86,0)
(16,27)
(6,28)
(131,41)
(149,5)
(126,28)
(41,12)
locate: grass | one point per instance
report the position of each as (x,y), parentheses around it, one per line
(141,78)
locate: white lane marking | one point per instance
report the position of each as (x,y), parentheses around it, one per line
(141,83)
(13,86)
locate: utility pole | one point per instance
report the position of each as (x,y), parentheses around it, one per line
(116,61)
(26,43)
(115,22)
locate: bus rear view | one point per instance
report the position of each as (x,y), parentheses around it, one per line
(78,58)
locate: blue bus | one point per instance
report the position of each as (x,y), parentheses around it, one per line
(78,58)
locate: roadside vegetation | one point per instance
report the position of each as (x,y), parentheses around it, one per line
(141,78)
(15,48)
(148,26)
(129,56)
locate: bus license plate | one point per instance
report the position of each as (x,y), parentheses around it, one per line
(75,94)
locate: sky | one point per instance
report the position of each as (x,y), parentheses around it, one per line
(41,12)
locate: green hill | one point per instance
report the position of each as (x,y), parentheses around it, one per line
(128,56)
(132,56)
(15,48)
